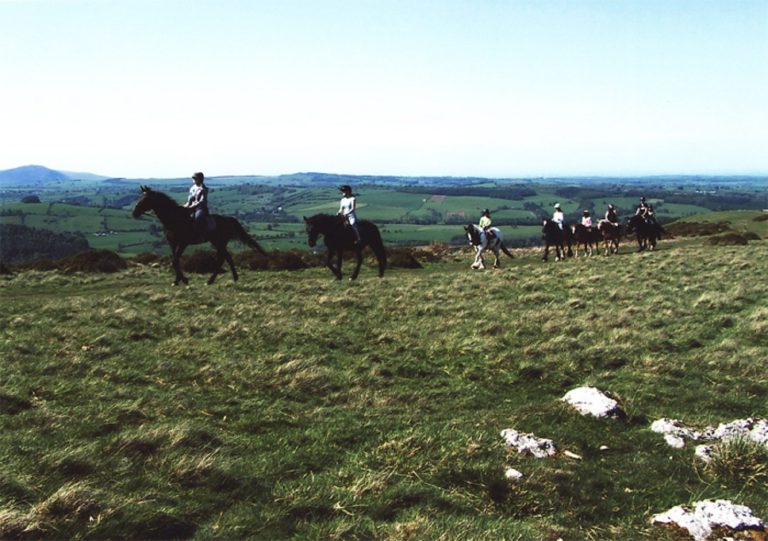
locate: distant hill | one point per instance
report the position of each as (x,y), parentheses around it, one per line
(37,175)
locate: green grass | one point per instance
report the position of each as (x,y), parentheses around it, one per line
(292,406)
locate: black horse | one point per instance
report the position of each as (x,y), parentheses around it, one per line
(588,237)
(647,232)
(180,233)
(339,237)
(561,239)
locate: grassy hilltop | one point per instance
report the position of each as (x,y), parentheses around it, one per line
(292,406)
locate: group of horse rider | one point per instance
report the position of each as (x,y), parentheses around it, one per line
(644,209)
(197,203)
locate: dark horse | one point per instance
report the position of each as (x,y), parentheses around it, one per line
(559,238)
(588,237)
(647,232)
(339,237)
(179,231)
(482,242)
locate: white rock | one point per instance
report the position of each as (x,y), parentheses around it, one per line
(674,441)
(707,515)
(675,433)
(759,431)
(513,475)
(528,443)
(591,401)
(734,429)
(704,452)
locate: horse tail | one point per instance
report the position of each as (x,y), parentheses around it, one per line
(377,245)
(504,249)
(246,239)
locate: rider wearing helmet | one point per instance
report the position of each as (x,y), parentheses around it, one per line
(197,202)
(644,209)
(611,216)
(558,217)
(485,223)
(347,208)
(586,219)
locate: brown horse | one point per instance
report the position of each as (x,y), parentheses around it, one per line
(179,231)
(611,235)
(587,237)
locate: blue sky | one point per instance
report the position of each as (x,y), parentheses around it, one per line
(495,88)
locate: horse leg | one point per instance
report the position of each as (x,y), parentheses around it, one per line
(223,254)
(478,263)
(358,262)
(497,263)
(176,252)
(231,264)
(336,271)
(219,261)
(546,252)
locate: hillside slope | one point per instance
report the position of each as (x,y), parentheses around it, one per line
(38,175)
(292,406)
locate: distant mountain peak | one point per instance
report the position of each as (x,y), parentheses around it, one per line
(36,175)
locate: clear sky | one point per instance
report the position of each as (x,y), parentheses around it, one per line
(495,88)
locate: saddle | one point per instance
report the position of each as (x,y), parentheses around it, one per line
(208,227)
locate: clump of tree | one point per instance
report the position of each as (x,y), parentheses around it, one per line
(90,261)
(20,243)
(695,229)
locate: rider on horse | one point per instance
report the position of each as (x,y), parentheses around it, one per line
(347,208)
(611,216)
(485,224)
(558,217)
(197,202)
(586,219)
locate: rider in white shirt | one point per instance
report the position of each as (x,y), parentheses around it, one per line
(558,217)
(197,202)
(347,208)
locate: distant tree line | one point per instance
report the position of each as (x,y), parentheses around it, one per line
(516,193)
(20,243)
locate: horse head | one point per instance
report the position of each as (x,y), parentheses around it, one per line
(313,231)
(473,234)
(144,204)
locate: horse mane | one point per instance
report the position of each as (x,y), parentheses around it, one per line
(165,199)
(322,218)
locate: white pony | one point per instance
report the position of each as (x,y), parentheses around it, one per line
(483,242)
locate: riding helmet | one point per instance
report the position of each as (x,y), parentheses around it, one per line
(198,175)
(345,188)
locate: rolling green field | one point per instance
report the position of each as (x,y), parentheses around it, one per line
(292,406)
